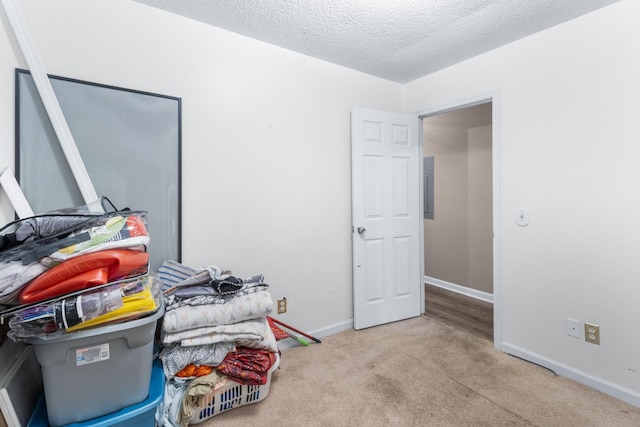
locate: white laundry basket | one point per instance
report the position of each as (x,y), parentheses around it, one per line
(231,396)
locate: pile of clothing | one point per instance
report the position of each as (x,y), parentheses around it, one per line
(214,330)
(74,268)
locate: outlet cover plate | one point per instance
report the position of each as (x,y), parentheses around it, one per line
(282,306)
(573,328)
(592,333)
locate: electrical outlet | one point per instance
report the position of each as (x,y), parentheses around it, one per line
(282,305)
(592,333)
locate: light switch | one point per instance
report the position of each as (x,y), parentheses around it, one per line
(573,328)
(523,217)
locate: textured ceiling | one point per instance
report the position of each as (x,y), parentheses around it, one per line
(399,40)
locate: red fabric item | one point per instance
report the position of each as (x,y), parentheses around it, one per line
(247,365)
(280,334)
(83,272)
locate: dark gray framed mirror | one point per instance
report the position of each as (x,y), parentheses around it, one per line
(129,141)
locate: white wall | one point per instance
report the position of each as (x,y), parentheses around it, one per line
(266,148)
(568,137)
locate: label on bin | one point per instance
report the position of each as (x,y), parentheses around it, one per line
(87,355)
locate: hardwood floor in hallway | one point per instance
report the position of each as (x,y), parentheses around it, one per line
(463,312)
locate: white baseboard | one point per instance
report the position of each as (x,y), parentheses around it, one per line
(318,333)
(626,395)
(470,292)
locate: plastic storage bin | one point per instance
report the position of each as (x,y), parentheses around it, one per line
(140,415)
(231,396)
(93,372)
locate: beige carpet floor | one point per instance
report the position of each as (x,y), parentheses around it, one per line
(420,372)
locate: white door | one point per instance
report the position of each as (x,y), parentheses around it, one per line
(386,219)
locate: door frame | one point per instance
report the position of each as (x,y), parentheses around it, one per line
(492,97)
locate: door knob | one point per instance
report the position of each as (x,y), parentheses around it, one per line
(361,230)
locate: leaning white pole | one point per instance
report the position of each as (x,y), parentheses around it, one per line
(14,192)
(50,101)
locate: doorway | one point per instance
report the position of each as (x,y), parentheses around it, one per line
(458,217)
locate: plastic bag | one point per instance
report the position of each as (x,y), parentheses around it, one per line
(114,303)
(45,228)
(35,245)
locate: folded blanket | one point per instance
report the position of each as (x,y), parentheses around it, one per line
(268,343)
(172,272)
(245,307)
(249,329)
